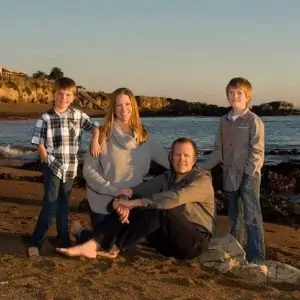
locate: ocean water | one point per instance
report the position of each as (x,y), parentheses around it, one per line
(282,133)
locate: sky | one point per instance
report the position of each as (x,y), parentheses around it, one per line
(186,49)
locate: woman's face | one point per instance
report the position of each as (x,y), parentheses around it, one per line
(123,108)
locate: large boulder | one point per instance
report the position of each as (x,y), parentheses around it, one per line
(226,255)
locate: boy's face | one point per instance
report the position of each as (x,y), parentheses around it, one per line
(63,99)
(237,98)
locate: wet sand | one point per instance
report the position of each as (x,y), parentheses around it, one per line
(143,274)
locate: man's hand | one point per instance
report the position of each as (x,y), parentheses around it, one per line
(122,202)
(123,213)
(127,203)
(125,192)
(95,148)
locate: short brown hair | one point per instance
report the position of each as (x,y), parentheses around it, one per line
(185,140)
(64,83)
(240,83)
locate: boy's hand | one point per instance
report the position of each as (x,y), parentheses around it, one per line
(95,148)
(43,153)
(125,192)
(44,158)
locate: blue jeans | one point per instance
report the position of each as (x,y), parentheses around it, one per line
(55,203)
(245,203)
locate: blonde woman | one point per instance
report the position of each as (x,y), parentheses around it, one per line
(126,153)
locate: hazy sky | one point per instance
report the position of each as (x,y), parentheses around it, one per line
(187,49)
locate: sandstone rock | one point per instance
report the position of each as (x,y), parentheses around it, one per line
(251,272)
(223,246)
(224,253)
(280,272)
(222,266)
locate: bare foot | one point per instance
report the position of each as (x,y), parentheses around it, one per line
(113,253)
(76,227)
(88,249)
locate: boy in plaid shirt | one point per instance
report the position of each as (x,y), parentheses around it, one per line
(57,136)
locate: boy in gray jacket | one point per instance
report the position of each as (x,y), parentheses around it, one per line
(240,147)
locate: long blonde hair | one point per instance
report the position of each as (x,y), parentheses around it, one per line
(135,122)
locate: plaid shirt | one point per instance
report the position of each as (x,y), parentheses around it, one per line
(61,136)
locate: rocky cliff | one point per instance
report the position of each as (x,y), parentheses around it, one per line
(25,89)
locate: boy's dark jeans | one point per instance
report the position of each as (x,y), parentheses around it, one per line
(244,203)
(55,203)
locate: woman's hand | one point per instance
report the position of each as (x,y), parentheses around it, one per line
(125,192)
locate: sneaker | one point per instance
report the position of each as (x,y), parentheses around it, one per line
(33,252)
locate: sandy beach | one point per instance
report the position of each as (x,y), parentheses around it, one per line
(143,274)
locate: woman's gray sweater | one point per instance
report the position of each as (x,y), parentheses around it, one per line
(122,163)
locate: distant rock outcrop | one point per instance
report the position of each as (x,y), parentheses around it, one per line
(275,108)
(16,89)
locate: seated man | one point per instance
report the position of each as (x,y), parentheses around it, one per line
(175,211)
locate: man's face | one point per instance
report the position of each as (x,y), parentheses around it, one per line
(183,158)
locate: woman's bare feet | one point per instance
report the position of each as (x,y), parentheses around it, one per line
(88,249)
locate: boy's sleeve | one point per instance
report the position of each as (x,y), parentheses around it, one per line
(256,147)
(217,154)
(39,132)
(87,124)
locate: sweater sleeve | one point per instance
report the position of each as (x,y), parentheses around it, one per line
(217,154)
(158,153)
(149,187)
(94,179)
(197,191)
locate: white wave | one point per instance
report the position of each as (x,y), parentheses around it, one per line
(10,152)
